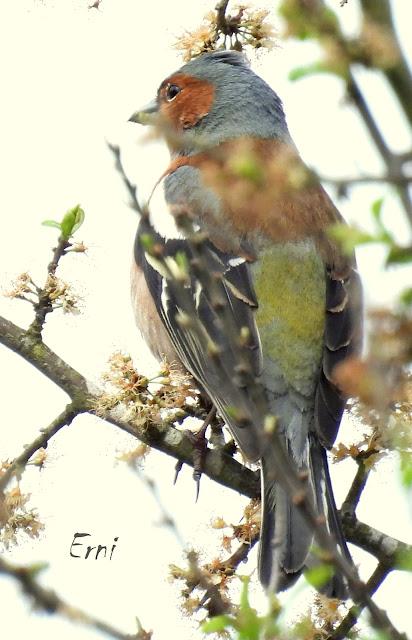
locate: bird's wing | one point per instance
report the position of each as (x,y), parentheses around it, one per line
(343,336)
(199,319)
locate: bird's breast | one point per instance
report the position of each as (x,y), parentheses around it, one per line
(289,280)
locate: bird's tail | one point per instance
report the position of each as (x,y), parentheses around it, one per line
(285,538)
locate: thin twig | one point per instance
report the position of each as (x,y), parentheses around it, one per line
(44,305)
(221,23)
(64,419)
(398,74)
(377,578)
(390,159)
(351,501)
(238,556)
(343,183)
(167,519)
(50,602)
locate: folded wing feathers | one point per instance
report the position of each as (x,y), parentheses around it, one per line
(343,329)
(227,381)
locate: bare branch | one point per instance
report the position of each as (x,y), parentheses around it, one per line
(354,494)
(221,22)
(398,75)
(391,160)
(386,549)
(343,183)
(240,555)
(218,465)
(18,464)
(44,304)
(37,353)
(50,602)
(167,518)
(377,578)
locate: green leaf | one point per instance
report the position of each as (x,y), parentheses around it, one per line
(147,241)
(72,221)
(406,470)
(182,262)
(406,297)
(52,223)
(308,70)
(244,596)
(383,235)
(349,237)
(217,624)
(399,255)
(319,575)
(248,623)
(377,210)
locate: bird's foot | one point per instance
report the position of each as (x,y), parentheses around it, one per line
(199,442)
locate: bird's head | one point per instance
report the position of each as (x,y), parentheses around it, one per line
(214,98)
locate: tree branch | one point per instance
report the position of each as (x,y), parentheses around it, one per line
(343,183)
(386,549)
(218,466)
(238,556)
(37,353)
(399,74)
(50,602)
(44,305)
(352,617)
(351,501)
(65,418)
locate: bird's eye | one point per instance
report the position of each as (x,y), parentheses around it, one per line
(171,92)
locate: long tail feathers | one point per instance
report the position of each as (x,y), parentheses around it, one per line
(285,539)
(326,506)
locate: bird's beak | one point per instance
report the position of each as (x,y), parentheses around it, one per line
(147,114)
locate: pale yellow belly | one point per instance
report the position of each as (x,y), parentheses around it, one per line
(290,287)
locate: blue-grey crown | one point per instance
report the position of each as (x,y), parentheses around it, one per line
(244,104)
(223,56)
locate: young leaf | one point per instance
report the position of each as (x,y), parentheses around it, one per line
(406,470)
(377,210)
(349,237)
(308,70)
(52,223)
(399,255)
(72,221)
(248,623)
(217,624)
(406,297)
(319,575)
(147,241)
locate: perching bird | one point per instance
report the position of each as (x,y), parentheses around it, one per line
(273,276)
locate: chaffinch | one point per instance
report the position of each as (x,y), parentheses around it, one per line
(286,285)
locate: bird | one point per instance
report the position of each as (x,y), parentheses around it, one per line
(265,274)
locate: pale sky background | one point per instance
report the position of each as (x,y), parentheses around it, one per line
(70,79)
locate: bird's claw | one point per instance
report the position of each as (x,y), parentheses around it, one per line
(199,443)
(178,468)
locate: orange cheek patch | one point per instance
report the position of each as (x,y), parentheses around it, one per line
(192,103)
